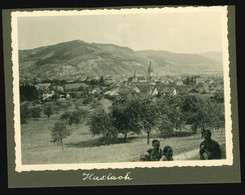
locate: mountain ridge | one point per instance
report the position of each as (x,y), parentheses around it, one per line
(76,59)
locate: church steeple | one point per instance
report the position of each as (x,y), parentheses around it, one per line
(150,72)
(135,76)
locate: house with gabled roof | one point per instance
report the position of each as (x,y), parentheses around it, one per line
(169,91)
(112,92)
(193,90)
(47,94)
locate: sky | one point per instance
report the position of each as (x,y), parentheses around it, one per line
(187,32)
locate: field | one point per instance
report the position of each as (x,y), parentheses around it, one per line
(82,147)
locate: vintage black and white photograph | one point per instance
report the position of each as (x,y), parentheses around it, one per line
(121,88)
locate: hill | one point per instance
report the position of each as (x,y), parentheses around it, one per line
(76,59)
(181,62)
(213,55)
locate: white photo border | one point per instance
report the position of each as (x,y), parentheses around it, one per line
(88,166)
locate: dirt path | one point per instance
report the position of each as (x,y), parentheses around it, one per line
(188,155)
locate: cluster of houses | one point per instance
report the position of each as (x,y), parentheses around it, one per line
(65,91)
(168,85)
(146,84)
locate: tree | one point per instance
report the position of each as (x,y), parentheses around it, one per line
(102,81)
(24,112)
(144,114)
(123,117)
(48,110)
(65,116)
(169,114)
(202,112)
(165,126)
(28,92)
(76,116)
(189,80)
(59,132)
(218,116)
(35,112)
(189,106)
(101,123)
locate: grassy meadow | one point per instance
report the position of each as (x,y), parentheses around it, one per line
(82,147)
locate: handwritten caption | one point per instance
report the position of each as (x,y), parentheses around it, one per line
(110,176)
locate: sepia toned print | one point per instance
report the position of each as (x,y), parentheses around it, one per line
(121,88)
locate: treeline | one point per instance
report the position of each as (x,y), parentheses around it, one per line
(32,110)
(28,93)
(138,113)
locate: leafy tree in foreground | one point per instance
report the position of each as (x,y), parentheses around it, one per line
(170,115)
(165,126)
(218,114)
(59,132)
(101,123)
(202,112)
(144,114)
(123,117)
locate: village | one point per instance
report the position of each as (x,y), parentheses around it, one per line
(207,83)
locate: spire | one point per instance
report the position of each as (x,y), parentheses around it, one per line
(135,73)
(150,68)
(150,72)
(135,76)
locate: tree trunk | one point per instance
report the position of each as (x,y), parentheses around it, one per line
(125,137)
(62,144)
(148,137)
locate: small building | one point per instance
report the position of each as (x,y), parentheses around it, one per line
(112,92)
(48,94)
(136,90)
(154,92)
(193,90)
(169,91)
(95,91)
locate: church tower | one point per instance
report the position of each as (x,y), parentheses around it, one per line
(150,73)
(135,77)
